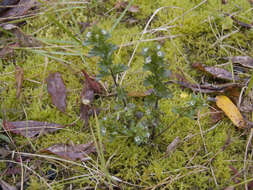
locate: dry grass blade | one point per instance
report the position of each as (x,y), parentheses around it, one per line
(19,75)
(30,128)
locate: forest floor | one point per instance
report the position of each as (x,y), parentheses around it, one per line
(196,146)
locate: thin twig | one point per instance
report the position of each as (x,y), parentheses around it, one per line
(245,159)
(204,143)
(172,123)
(138,43)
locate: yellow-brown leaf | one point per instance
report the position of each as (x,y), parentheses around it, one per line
(226,105)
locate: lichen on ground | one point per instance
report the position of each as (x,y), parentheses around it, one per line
(195,31)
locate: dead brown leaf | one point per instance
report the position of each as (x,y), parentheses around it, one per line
(26,40)
(123,4)
(172,146)
(72,152)
(93,84)
(215,115)
(245,61)
(208,88)
(224,2)
(87,98)
(8,50)
(57,90)
(21,9)
(30,128)
(23,39)
(19,75)
(216,72)
(90,88)
(6,186)
(6,4)
(229,188)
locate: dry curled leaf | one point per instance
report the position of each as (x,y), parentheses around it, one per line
(245,61)
(22,7)
(19,75)
(215,115)
(171,147)
(93,84)
(124,4)
(216,72)
(226,105)
(208,88)
(90,88)
(25,40)
(8,50)
(6,4)
(56,88)
(71,152)
(87,98)
(224,2)
(30,128)
(5,186)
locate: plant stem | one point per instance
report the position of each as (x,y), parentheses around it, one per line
(172,123)
(117,85)
(114,78)
(156,118)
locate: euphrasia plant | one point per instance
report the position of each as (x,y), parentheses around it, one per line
(137,123)
(156,79)
(98,39)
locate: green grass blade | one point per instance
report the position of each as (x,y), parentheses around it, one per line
(121,16)
(250,84)
(65,29)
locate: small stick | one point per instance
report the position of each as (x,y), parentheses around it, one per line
(204,143)
(245,159)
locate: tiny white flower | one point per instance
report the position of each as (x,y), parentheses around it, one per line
(145,50)
(137,139)
(148,59)
(88,35)
(104,32)
(103,130)
(97,36)
(160,54)
(158,47)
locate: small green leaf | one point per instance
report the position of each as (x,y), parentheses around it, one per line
(4,138)
(119,68)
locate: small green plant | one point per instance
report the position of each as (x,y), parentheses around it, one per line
(141,124)
(158,75)
(125,119)
(98,39)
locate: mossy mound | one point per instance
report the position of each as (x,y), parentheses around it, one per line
(197,31)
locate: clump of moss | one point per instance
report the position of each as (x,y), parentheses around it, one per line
(196,28)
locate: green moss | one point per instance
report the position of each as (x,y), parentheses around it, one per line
(196,30)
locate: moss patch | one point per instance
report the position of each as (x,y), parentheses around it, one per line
(197,28)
